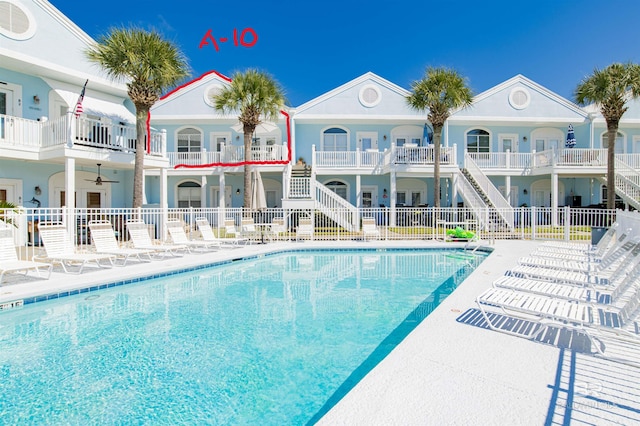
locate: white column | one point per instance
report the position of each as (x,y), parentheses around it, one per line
(164,204)
(203,191)
(359,191)
(507,188)
(69,195)
(454,189)
(554,199)
(392,199)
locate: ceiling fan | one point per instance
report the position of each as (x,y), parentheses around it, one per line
(99,181)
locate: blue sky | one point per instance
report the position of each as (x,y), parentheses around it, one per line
(311,48)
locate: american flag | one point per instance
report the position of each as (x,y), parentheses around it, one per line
(78,109)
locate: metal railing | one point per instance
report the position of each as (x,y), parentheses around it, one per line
(406,223)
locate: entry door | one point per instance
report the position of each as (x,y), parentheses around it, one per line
(540,198)
(544,144)
(369,196)
(509,143)
(6,109)
(215,198)
(367,140)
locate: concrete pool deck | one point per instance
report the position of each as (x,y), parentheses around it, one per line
(450,369)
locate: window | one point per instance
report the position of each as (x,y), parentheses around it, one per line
(338,187)
(603,196)
(189,140)
(189,195)
(619,143)
(335,139)
(93,200)
(478,141)
(369,96)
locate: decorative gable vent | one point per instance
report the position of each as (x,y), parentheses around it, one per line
(519,98)
(210,92)
(370,96)
(15,22)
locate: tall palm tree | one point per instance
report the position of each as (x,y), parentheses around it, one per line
(610,89)
(150,65)
(440,91)
(255,96)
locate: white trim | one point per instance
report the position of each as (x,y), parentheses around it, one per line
(514,136)
(14,185)
(324,129)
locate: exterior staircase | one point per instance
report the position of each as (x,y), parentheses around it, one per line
(500,215)
(627,183)
(305,192)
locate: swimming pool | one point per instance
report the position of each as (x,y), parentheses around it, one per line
(272,340)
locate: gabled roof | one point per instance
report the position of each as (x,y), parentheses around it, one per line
(189,99)
(54,48)
(496,104)
(366,98)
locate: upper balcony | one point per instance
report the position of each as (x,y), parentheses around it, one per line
(229,156)
(20,137)
(374,161)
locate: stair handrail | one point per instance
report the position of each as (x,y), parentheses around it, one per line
(473,200)
(336,207)
(500,203)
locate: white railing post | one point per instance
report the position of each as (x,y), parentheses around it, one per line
(533,222)
(507,162)
(567,223)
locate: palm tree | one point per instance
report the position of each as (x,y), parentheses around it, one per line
(150,65)
(255,96)
(610,89)
(439,92)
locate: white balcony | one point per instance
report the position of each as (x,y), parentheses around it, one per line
(228,155)
(374,159)
(31,135)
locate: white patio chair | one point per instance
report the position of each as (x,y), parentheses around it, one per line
(59,249)
(604,242)
(249,230)
(232,233)
(178,236)
(304,229)
(207,234)
(140,238)
(369,229)
(104,240)
(9,261)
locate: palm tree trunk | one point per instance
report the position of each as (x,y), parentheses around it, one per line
(141,147)
(247,173)
(437,136)
(612,132)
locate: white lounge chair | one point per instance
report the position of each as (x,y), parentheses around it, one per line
(277,228)
(9,262)
(59,248)
(207,234)
(604,242)
(616,253)
(231,233)
(369,229)
(140,238)
(178,236)
(304,229)
(597,321)
(596,253)
(602,275)
(104,240)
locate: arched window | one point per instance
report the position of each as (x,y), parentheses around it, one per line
(189,195)
(478,140)
(335,139)
(619,143)
(189,140)
(338,187)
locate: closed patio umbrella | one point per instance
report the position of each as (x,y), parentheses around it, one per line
(258,197)
(571,138)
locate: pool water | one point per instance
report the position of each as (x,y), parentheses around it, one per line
(270,340)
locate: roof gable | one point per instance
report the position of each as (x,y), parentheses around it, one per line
(366,96)
(520,99)
(192,99)
(54,47)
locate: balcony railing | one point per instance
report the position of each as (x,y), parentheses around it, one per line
(228,154)
(371,159)
(68,130)
(566,157)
